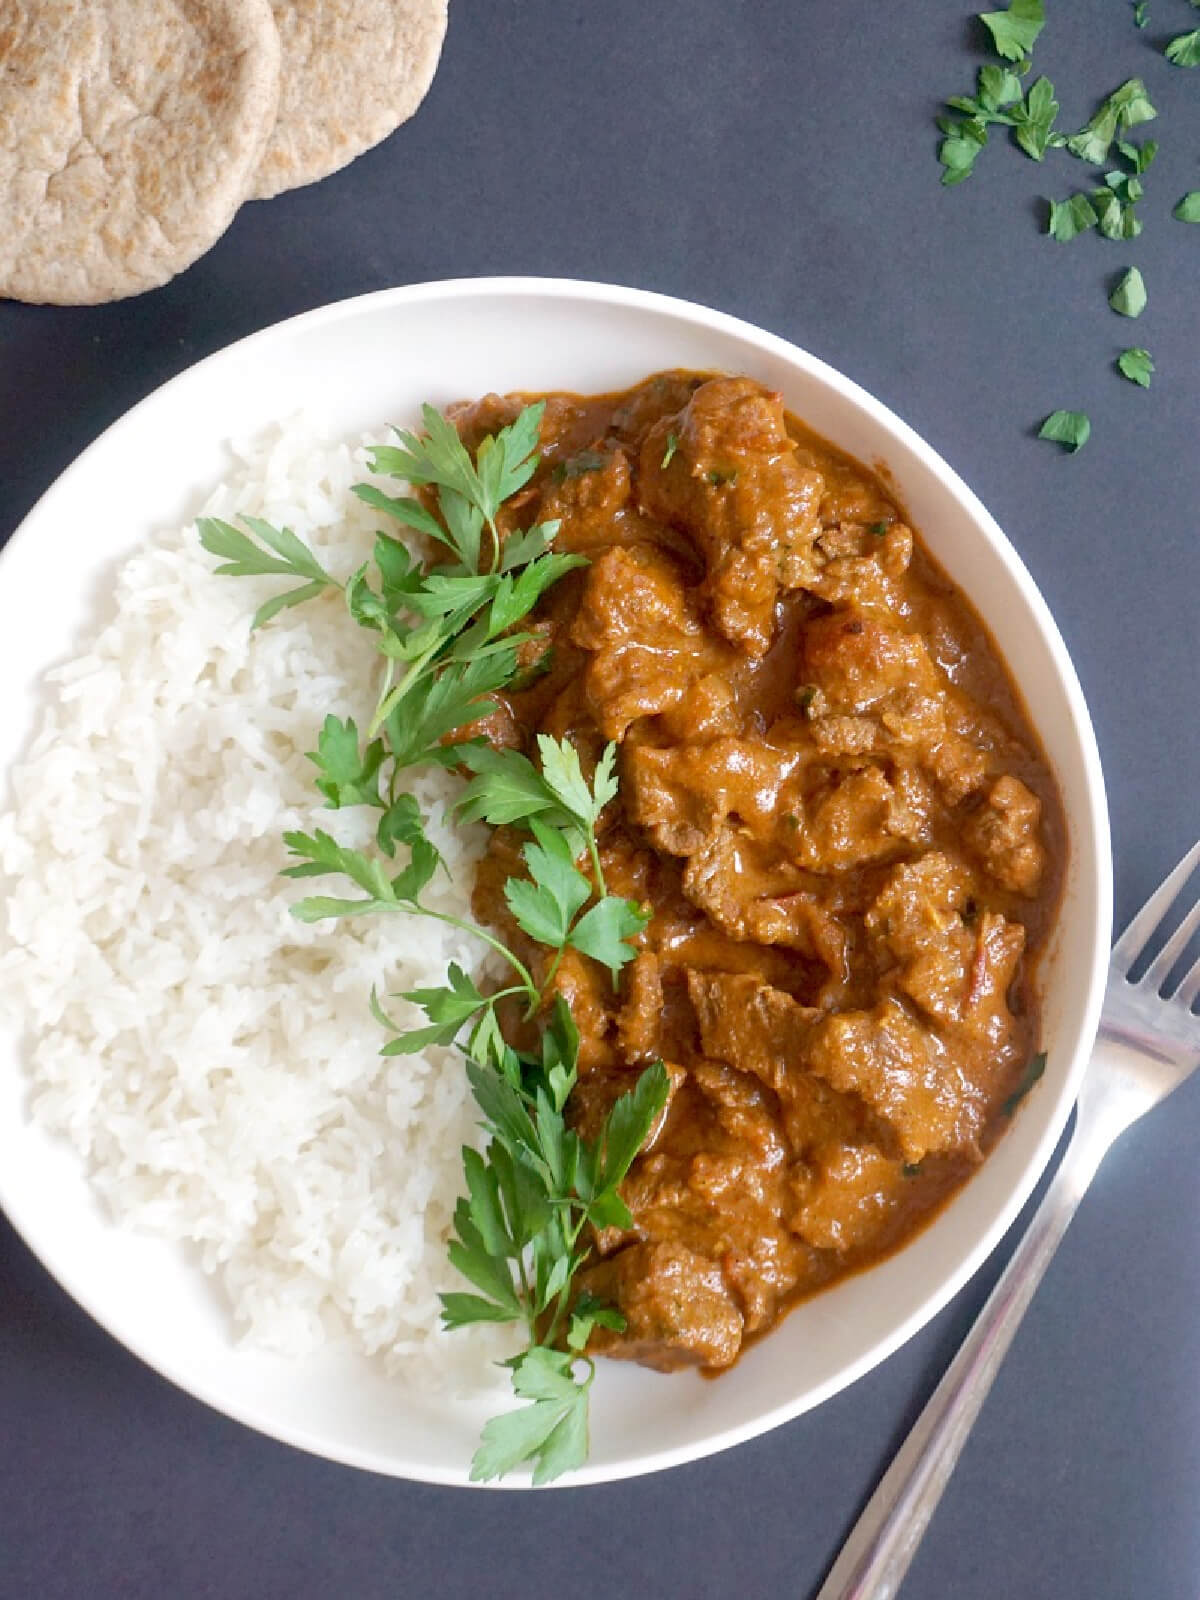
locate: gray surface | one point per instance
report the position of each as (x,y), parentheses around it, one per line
(775,160)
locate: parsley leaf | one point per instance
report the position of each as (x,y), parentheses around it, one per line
(1114,206)
(1071,429)
(578,465)
(1029,1077)
(1126,107)
(1128,299)
(604,930)
(1015,31)
(1034,119)
(1141,13)
(1069,218)
(551,1432)
(349,775)
(1136,365)
(545,907)
(958,151)
(1184,49)
(242,558)
(447,1009)
(1139,156)
(1188,209)
(669,452)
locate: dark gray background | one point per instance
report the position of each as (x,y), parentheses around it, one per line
(776,160)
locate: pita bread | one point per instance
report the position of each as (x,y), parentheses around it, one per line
(130,131)
(353,71)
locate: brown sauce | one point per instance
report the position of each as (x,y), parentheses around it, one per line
(834,803)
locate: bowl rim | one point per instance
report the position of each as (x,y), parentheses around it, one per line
(1091,831)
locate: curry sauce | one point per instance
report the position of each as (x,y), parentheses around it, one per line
(835,808)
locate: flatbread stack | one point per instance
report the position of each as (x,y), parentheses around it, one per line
(132,130)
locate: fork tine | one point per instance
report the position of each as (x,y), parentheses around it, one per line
(1133,940)
(1189,988)
(1156,973)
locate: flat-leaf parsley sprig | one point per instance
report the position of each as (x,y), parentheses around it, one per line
(449,632)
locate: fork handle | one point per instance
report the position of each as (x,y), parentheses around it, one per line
(884,1540)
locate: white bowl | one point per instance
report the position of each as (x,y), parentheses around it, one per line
(366,362)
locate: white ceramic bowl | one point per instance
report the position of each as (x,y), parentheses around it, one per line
(373,360)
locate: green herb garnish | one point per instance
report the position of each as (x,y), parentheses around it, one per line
(1184,49)
(1069,218)
(1033,121)
(576,466)
(448,631)
(1141,13)
(518,1232)
(1114,203)
(1136,365)
(1128,299)
(672,446)
(1071,429)
(1188,209)
(998,101)
(284,554)
(1015,31)
(1126,107)
(1029,1077)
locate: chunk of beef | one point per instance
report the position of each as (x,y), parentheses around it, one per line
(584,984)
(678,1309)
(863,569)
(847,822)
(858,661)
(904,1072)
(708,710)
(859,664)
(916,919)
(745,1022)
(589,490)
(801,922)
(733,483)
(766,1032)
(849,1197)
(739,886)
(957,974)
(1004,834)
(645,643)
(681,793)
(640,1017)
(848,736)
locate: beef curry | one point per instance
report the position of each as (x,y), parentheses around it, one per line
(834,806)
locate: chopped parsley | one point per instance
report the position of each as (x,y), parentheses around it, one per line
(1069,218)
(1184,49)
(585,461)
(1136,365)
(1029,1077)
(1188,209)
(1015,31)
(1126,107)
(1128,299)
(672,446)
(1071,429)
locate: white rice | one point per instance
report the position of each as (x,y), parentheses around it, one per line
(213,1060)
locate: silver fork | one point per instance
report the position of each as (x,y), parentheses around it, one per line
(1147,1045)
